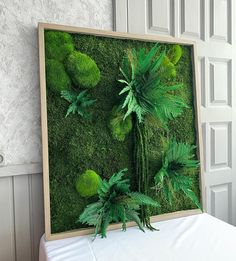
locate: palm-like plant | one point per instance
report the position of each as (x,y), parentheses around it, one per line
(177,161)
(78,102)
(144,92)
(116,203)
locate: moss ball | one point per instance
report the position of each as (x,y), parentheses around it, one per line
(175,53)
(87,183)
(56,76)
(58,45)
(168,69)
(119,126)
(83,70)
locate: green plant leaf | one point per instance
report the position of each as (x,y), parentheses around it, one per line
(79,102)
(116,203)
(144,92)
(177,159)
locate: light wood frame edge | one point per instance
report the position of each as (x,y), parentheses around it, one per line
(72,29)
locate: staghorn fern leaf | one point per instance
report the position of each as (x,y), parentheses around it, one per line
(116,203)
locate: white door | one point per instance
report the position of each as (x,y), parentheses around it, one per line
(209,23)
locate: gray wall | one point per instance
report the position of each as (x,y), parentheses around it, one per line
(19,74)
(21,197)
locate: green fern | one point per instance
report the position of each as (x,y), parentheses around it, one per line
(116,203)
(177,160)
(78,102)
(144,93)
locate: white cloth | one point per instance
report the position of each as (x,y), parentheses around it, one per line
(194,238)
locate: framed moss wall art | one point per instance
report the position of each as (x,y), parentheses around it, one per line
(120,129)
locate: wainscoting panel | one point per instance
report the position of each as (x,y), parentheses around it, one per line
(21,217)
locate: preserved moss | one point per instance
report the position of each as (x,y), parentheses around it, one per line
(76,145)
(87,183)
(58,45)
(56,76)
(82,70)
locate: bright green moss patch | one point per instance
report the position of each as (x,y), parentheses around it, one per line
(58,45)
(82,70)
(77,144)
(56,76)
(119,126)
(87,183)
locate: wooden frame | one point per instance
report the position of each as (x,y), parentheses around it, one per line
(152,38)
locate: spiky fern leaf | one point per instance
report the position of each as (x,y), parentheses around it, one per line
(144,92)
(78,102)
(116,203)
(177,160)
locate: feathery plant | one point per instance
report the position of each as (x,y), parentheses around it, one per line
(177,161)
(144,91)
(116,203)
(78,102)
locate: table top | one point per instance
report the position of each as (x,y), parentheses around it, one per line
(193,238)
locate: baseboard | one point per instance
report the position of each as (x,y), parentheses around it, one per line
(21,169)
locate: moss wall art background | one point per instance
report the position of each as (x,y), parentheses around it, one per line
(92,134)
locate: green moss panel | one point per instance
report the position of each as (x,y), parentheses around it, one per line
(77,144)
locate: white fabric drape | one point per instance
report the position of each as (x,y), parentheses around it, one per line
(194,238)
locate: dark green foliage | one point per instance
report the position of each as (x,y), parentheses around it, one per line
(83,70)
(172,177)
(58,45)
(79,102)
(87,183)
(119,126)
(76,145)
(144,92)
(116,203)
(56,76)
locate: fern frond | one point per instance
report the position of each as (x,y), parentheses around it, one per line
(116,203)
(143,92)
(142,199)
(177,159)
(79,102)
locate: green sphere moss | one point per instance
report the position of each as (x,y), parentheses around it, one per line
(56,76)
(87,183)
(175,53)
(83,70)
(119,126)
(58,45)
(168,69)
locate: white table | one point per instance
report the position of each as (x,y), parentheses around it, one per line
(194,238)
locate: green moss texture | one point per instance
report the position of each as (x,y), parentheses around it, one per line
(82,70)
(57,78)
(59,45)
(77,144)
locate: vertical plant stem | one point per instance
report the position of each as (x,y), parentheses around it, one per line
(141,167)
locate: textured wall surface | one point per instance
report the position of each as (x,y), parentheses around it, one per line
(19,74)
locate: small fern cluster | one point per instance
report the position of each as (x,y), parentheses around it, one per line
(116,203)
(79,102)
(177,159)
